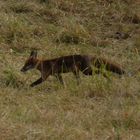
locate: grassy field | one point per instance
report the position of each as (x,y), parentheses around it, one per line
(97,109)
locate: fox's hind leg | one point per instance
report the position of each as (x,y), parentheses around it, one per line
(103,73)
(87,71)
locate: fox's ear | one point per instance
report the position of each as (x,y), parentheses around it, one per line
(33,53)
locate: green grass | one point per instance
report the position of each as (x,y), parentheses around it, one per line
(98,108)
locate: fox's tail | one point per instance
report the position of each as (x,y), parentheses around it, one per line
(110,66)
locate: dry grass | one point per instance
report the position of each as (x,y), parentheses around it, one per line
(98,108)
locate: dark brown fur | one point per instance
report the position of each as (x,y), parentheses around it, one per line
(71,63)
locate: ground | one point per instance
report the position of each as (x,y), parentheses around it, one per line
(98,108)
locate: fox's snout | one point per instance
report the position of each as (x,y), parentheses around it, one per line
(26,68)
(23,69)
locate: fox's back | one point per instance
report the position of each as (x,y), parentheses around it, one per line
(67,63)
(67,60)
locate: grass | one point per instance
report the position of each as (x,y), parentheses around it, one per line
(98,108)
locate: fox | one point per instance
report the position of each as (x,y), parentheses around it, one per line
(71,63)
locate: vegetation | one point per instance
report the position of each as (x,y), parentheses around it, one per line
(98,108)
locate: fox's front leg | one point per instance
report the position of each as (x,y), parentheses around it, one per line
(76,73)
(59,77)
(40,80)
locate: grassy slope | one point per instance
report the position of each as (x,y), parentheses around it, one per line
(97,108)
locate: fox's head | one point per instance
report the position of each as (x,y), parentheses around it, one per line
(30,62)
